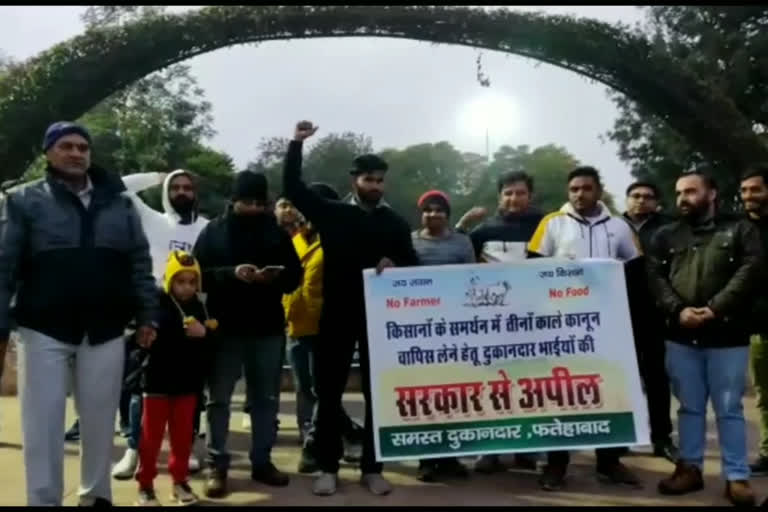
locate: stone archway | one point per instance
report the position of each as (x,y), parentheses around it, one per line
(70,78)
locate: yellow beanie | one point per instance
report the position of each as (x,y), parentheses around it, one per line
(180,261)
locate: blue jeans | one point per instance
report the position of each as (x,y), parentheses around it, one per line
(696,375)
(262,358)
(300,355)
(134,421)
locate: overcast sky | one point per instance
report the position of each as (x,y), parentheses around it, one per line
(398,92)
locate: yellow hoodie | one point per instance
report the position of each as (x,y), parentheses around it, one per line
(304,305)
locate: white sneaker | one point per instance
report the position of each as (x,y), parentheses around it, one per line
(247,422)
(183,494)
(325,484)
(126,468)
(376,484)
(194,464)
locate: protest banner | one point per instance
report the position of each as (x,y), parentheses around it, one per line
(502,358)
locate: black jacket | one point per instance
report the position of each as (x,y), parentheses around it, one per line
(759,319)
(648,321)
(231,240)
(353,239)
(503,234)
(78,271)
(716,264)
(177,364)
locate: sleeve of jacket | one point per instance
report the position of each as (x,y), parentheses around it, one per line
(314,208)
(135,183)
(402,252)
(542,241)
(12,240)
(739,289)
(657,266)
(629,245)
(290,278)
(312,289)
(469,250)
(205,253)
(144,285)
(477,236)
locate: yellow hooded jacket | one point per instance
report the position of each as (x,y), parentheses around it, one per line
(304,305)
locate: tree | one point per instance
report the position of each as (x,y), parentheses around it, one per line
(726,47)
(70,78)
(328,160)
(418,168)
(158,124)
(99,16)
(548,166)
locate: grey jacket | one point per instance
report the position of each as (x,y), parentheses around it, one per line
(75,272)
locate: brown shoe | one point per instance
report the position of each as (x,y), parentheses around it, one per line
(216,485)
(617,474)
(740,493)
(685,479)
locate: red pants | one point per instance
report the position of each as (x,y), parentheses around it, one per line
(178,412)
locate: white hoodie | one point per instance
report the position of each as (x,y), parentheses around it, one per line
(164,230)
(566,234)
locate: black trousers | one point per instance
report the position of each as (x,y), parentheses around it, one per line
(606,457)
(650,359)
(331,365)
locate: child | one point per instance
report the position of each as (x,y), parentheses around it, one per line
(173,379)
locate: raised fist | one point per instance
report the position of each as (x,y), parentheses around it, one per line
(304,130)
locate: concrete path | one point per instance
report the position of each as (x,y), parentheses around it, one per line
(507,489)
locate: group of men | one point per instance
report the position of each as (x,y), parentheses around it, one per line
(81,255)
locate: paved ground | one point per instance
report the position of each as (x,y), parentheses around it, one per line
(507,489)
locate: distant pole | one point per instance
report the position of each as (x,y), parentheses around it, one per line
(487,147)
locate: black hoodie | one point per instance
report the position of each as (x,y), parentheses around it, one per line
(504,237)
(353,239)
(231,240)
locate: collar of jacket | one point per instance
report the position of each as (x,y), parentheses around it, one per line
(603,216)
(353,200)
(105,183)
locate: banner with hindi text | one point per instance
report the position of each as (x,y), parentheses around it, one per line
(500,358)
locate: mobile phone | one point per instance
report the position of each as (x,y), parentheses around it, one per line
(273,268)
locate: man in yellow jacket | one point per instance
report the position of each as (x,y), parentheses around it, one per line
(302,314)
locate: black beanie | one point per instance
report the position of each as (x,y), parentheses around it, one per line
(325,191)
(250,185)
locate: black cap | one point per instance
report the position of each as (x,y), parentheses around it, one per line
(250,185)
(368,163)
(325,191)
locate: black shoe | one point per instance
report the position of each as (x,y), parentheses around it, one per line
(452,467)
(270,475)
(760,467)
(307,463)
(668,450)
(553,477)
(427,471)
(526,461)
(73,434)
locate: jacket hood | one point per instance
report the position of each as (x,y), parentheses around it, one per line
(604,214)
(167,206)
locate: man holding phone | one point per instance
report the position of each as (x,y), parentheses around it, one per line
(248,263)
